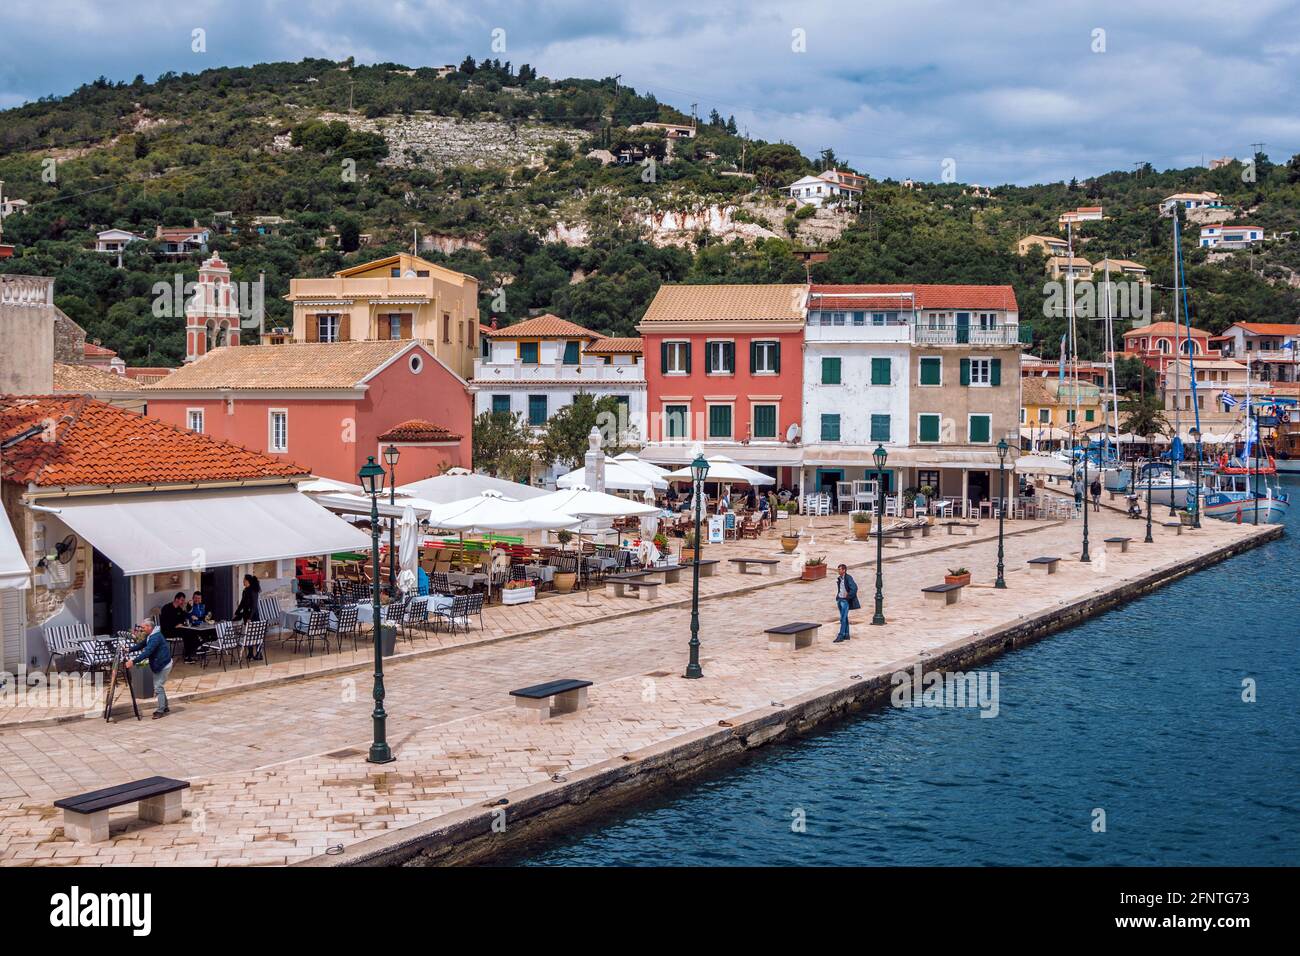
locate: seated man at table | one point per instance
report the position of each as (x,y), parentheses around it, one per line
(197,610)
(173,616)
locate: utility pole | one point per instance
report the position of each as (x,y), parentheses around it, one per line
(695,120)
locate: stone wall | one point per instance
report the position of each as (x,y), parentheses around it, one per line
(69,339)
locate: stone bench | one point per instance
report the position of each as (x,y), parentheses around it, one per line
(1046,565)
(85,817)
(791,637)
(708,567)
(642,585)
(1122,542)
(764,565)
(664,573)
(968,527)
(946,593)
(569,695)
(901,536)
(1176,525)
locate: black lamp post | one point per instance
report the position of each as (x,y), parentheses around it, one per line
(1151,445)
(880,455)
(372,482)
(1001,581)
(699,471)
(1085,557)
(1196,489)
(391,454)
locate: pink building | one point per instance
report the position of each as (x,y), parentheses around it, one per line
(326,405)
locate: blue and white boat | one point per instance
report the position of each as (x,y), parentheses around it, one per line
(1229,496)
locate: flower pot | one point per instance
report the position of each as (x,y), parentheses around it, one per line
(789,542)
(813,572)
(519,595)
(862,530)
(387,639)
(688,556)
(564,581)
(962,579)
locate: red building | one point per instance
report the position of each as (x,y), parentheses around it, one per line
(327,405)
(1160,343)
(724,369)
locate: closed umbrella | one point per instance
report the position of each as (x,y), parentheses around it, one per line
(408,552)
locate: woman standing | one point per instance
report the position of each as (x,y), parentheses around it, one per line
(247,610)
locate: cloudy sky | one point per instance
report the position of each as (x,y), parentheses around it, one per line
(1010,91)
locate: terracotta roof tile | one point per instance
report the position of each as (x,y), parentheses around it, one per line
(1269,328)
(726,303)
(543,327)
(1164,328)
(293,365)
(612,346)
(88,442)
(86,379)
(417,429)
(1000,297)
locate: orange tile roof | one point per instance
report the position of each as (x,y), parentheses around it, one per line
(1164,328)
(87,379)
(1000,297)
(726,303)
(93,350)
(1268,328)
(317,365)
(89,442)
(612,346)
(543,327)
(417,429)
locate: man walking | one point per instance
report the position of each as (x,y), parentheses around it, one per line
(154,649)
(1094,490)
(846,599)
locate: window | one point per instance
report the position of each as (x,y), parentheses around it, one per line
(988,321)
(982,372)
(500,404)
(676,358)
(279,430)
(395,272)
(838,318)
(880,428)
(1069,416)
(194,420)
(721,358)
(327,328)
(979,371)
(415,364)
(830,370)
(928,479)
(931,370)
(979,429)
(676,421)
(880,371)
(764,358)
(830,428)
(1024,415)
(446,326)
(764,421)
(537,409)
(1089,415)
(571,353)
(927,428)
(860,318)
(528,353)
(719,421)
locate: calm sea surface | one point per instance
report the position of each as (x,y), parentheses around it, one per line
(1138,712)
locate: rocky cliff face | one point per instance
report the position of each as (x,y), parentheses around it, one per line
(432,142)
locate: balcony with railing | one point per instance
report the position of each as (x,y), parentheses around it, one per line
(881,331)
(998,334)
(26,290)
(587,373)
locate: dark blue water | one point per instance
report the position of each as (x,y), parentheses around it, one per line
(1138,712)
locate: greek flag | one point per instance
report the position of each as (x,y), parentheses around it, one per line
(1227,400)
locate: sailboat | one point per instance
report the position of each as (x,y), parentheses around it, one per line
(1245,489)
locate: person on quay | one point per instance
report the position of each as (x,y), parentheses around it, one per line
(153,648)
(1094,490)
(173,616)
(846,599)
(247,609)
(1078,495)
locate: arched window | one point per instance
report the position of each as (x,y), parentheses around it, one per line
(1190,347)
(1164,345)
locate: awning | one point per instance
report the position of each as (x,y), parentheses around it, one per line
(754,454)
(917,457)
(175,531)
(14,572)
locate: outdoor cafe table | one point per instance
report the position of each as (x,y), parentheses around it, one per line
(203,632)
(540,572)
(300,615)
(466,580)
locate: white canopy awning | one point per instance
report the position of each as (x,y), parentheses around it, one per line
(490,512)
(328,486)
(441,489)
(1042,465)
(724,469)
(584,503)
(619,476)
(14,572)
(360,505)
(175,531)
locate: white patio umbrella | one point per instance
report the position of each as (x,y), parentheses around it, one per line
(328,486)
(722,468)
(1042,465)
(582,502)
(442,489)
(408,550)
(619,476)
(629,460)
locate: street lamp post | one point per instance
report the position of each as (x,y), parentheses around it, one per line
(1151,444)
(1196,488)
(699,471)
(880,455)
(372,481)
(391,454)
(1001,581)
(1085,557)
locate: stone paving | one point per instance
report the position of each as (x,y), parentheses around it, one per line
(278,771)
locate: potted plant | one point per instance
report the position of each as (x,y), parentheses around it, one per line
(388,639)
(661,545)
(861,524)
(957,576)
(518,592)
(789,540)
(688,548)
(564,580)
(928,492)
(814,569)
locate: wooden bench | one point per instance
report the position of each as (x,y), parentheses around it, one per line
(1122,542)
(1046,565)
(791,637)
(569,695)
(765,565)
(947,593)
(969,526)
(1176,525)
(708,567)
(85,817)
(642,584)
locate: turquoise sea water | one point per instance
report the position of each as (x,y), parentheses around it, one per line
(1137,713)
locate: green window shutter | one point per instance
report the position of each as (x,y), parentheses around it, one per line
(500,404)
(880,428)
(965,371)
(880,371)
(719,421)
(931,371)
(663,357)
(675,417)
(776,356)
(979,429)
(528,353)
(764,421)
(753,357)
(830,371)
(830,428)
(995,372)
(929,428)
(570,353)
(537,409)
(688,358)
(1089,415)
(729,356)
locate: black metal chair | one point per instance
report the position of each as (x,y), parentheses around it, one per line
(345,625)
(416,615)
(316,629)
(252,643)
(226,643)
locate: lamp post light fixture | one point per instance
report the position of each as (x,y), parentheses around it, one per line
(1196,487)
(880,456)
(1086,558)
(391,454)
(699,471)
(372,482)
(1151,443)
(1003,447)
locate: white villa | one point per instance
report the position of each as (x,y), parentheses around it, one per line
(832,186)
(115,240)
(1205,200)
(1230,237)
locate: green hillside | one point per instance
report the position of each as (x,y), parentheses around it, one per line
(491,160)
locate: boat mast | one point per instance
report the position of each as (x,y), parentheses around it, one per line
(1110,349)
(1074,340)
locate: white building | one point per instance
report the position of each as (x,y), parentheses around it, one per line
(1230,237)
(1204,200)
(115,240)
(535,368)
(832,186)
(1081,214)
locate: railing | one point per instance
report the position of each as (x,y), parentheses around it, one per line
(973,334)
(900,332)
(26,290)
(487,372)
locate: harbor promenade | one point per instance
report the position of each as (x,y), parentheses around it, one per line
(276,760)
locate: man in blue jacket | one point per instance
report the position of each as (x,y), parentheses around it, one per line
(846,599)
(154,649)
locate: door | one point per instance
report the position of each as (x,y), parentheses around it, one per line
(826,478)
(978,486)
(218,589)
(963,328)
(13,630)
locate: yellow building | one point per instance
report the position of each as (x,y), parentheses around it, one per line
(401,297)
(1048,402)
